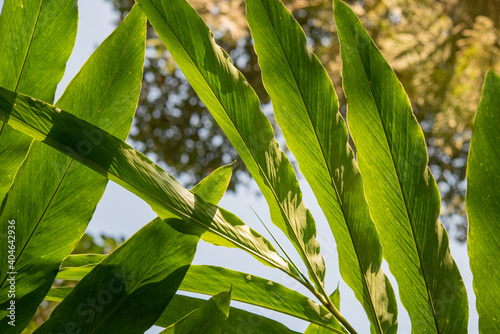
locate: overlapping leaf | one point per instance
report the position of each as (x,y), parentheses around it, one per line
(37,40)
(246,288)
(315,329)
(239,321)
(62,194)
(483,206)
(306,108)
(257,291)
(114,158)
(400,189)
(131,287)
(235,106)
(212,188)
(208,319)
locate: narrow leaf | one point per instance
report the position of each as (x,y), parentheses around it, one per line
(239,321)
(60,193)
(235,106)
(257,291)
(82,260)
(306,108)
(208,319)
(400,189)
(37,39)
(114,158)
(131,287)
(483,206)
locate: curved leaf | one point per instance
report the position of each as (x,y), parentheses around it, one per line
(210,189)
(239,321)
(37,39)
(131,287)
(61,194)
(400,189)
(235,106)
(306,108)
(208,319)
(315,329)
(115,159)
(257,291)
(483,206)
(246,288)
(82,260)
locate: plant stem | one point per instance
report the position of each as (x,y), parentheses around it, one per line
(325,300)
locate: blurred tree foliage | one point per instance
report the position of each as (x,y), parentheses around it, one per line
(439,49)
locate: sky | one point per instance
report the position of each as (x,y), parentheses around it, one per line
(120,213)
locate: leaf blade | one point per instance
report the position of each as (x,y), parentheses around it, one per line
(306,108)
(31,33)
(257,291)
(248,289)
(238,321)
(64,194)
(235,107)
(210,318)
(115,159)
(482,206)
(146,270)
(403,195)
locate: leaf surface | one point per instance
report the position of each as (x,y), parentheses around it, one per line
(60,193)
(315,329)
(483,206)
(235,107)
(127,167)
(246,288)
(306,108)
(131,287)
(401,191)
(239,321)
(208,319)
(37,39)
(257,291)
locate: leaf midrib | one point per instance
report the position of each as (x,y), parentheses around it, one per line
(402,194)
(326,165)
(24,63)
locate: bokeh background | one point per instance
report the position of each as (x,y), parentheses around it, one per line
(440,51)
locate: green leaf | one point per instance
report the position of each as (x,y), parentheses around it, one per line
(483,206)
(257,291)
(248,289)
(114,158)
(58,294)
(76,266)
(239,321)
(235,106)
(37,39)
(209,319)
(315,329)
(400,189)
(82,260)
(306,108)
(60,193)
(131,287)
(210,189)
